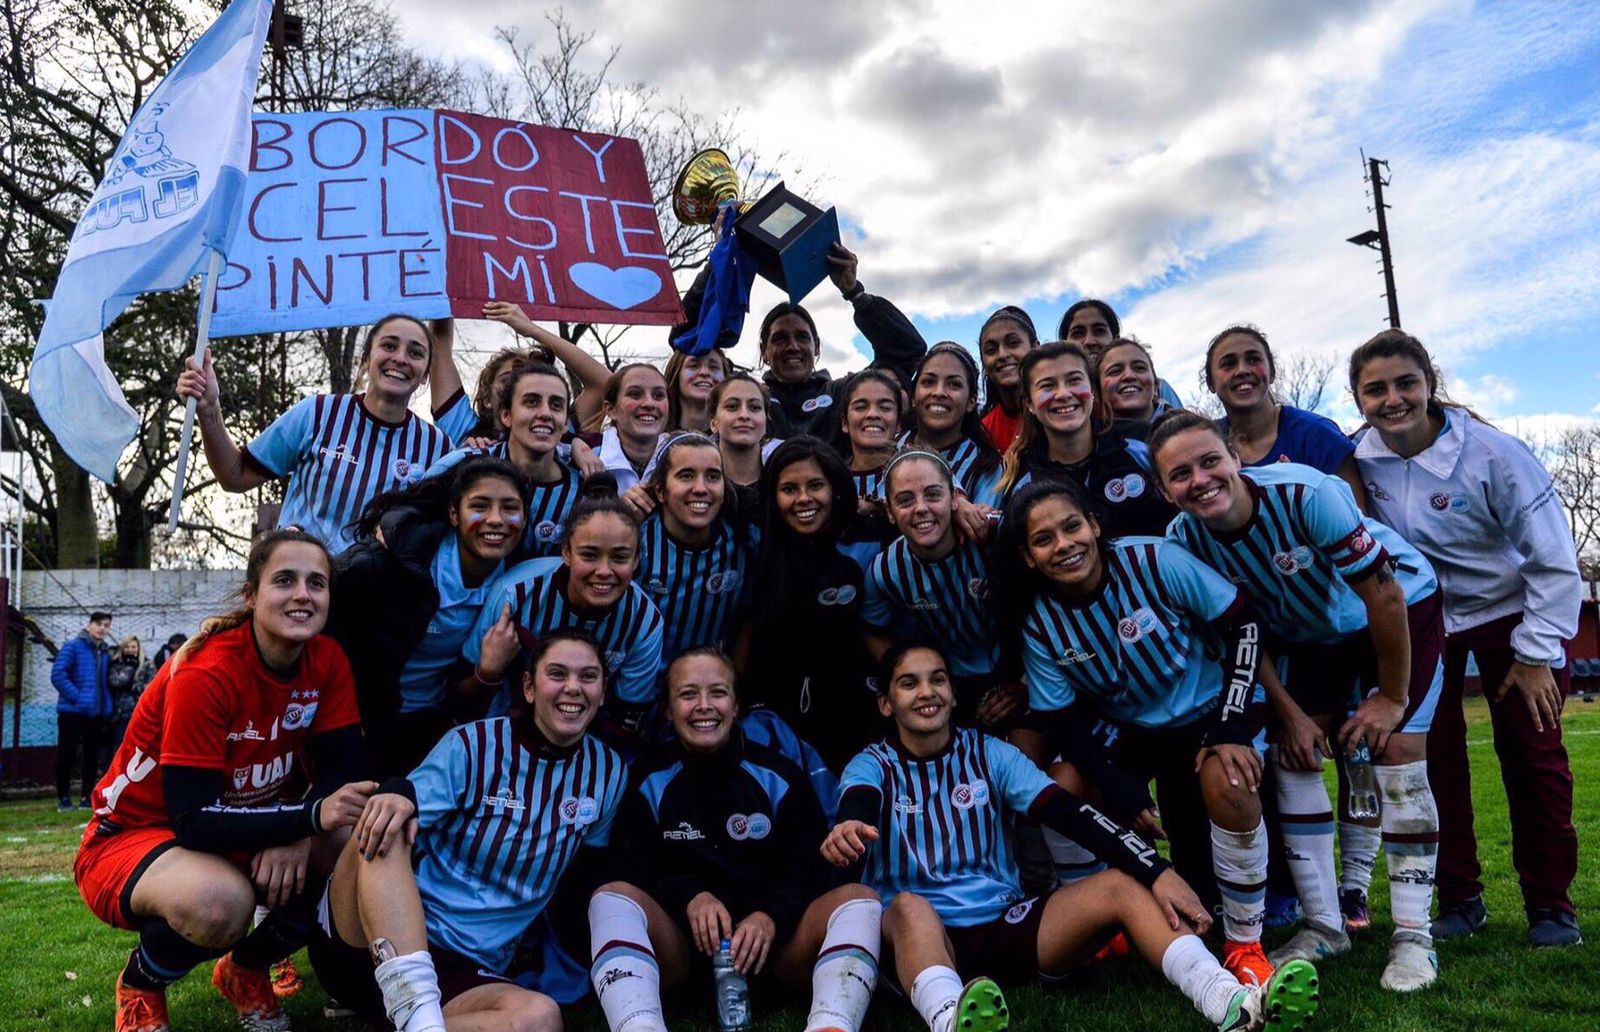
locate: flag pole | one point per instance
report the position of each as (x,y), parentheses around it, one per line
(208,294)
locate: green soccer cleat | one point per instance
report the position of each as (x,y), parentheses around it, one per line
(1287,1003)
(982,1007)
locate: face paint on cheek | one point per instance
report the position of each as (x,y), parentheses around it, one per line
(514,520)
(1083,392)
(473,520)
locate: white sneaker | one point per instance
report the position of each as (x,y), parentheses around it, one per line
(1412,965)
(1314,943)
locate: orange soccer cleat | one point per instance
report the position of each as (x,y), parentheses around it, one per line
(250,992)
(141,1010)
(1246,962)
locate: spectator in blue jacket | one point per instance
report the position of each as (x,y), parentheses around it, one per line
(83,705)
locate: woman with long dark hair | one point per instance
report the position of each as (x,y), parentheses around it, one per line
(1005,337)
(944,413)
(429,555)
(1064,436)
(806,659)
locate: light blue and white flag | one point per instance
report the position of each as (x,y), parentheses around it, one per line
(171,195)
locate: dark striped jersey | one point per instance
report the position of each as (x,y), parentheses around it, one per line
(338,457)
(1304,542)
(1142,649)
(548,504)
(501,816)
(629,632)
(697,590)
(941,602)
(868,484)
(941,829)
(962,458)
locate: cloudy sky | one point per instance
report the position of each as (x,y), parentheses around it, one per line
(1195,164)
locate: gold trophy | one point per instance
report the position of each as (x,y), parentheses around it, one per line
(787,237)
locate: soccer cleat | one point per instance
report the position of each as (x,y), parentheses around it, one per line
(64,805)
(250,992)
(1353,904)
(1282,911)
(1313,943)
(1412,964)
(1246,962)
(1459,920)
(1286,1003)
(141,1010)
(1550,927)
(333,1010)
(286,980)
(1116,946)
(982,1007)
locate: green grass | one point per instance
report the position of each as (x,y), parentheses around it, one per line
(58,964)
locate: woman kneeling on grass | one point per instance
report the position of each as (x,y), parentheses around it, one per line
(925,808)
(433,887)
(194,823)
(720,837)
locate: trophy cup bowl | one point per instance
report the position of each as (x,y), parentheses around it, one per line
(706,183)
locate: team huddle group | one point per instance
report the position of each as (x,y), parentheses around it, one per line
(838,674)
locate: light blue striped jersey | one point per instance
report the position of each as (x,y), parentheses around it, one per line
(629,632)
(501,817)
(1142,647)
(962,458)
(548,503)
(697,590)
(943,601)
(423,680)
(338,457)
(456,418)
(941,829)
(1305,541)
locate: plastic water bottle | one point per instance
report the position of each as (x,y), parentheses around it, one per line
(1363,783)
(733,993)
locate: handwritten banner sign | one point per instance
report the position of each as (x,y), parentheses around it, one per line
(351,215)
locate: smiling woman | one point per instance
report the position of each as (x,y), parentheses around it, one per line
(430,553)
(338,450)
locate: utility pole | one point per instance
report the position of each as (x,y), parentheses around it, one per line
(1378,239)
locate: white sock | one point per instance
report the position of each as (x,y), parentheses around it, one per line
(410,990)
(625,974)
(934,994)
(1073,863)
(1305,816)
(1239,859)
(1208,985)
(261,915)
(1358,853)
(847,967)
(1410,845)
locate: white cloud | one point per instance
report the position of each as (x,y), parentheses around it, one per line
(1204,155)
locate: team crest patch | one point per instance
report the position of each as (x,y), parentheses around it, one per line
(1292,561)
(978,588)
(546,531)
(752,826)
(298,716)
(1016,914)
(720,583)
(579,810)
(1136,625)
(1440,501)
(966,796)
(241,776)
(842,595)
(1361,542)
(1121,489)
(821,401)
(402,469)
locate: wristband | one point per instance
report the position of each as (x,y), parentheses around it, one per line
(854,292)
(487,684)
(316,816)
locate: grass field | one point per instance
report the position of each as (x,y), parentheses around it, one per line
(58,964)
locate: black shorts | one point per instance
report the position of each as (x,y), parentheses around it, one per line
(345,971)
(1005,949)
(1331,680)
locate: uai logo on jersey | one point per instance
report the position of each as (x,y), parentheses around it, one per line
(546,531)
(752,826)
(241,777)
(844,594)
(969,794)
(978,588)
(720,583)
(579,810)
(1442,501)
(402,469)
(1120,489)
(298,716)
(821,401)
(1020,911)
(1136,625)
(1292,561)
